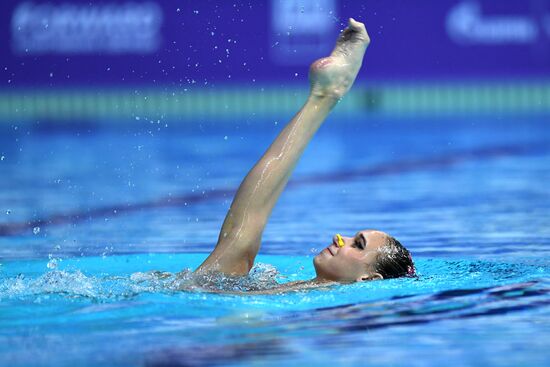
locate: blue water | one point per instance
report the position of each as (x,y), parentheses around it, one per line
(86,212)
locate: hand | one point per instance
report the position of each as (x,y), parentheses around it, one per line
(333,76)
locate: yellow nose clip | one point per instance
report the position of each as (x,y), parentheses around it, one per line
(340,240)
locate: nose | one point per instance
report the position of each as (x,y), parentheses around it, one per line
(338,240)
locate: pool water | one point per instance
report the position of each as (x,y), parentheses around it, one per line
(88,211)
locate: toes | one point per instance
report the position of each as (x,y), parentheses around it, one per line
(359,28)
(355,25)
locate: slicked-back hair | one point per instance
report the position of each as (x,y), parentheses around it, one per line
(394,260)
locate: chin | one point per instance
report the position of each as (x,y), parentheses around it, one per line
(316,264)
(316,261)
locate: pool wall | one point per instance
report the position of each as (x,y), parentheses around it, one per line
(256,103)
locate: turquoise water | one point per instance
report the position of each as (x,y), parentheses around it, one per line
(87,213)
(98,310)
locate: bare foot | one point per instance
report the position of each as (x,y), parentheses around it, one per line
(333,76)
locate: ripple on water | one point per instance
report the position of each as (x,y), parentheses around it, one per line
(151,314)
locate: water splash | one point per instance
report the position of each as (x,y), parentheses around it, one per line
(75,284)
(52,264)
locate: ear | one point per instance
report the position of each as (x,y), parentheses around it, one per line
(370,276)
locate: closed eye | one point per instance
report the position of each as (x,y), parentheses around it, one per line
(360,242)
(357,243)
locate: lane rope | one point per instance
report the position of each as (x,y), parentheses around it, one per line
(17,228)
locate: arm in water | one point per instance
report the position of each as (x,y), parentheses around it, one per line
(330,77)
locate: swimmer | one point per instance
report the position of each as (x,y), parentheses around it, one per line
(369,254)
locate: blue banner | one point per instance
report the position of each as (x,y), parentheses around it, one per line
(203,43)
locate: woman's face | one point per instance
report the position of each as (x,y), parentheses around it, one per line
(353,262)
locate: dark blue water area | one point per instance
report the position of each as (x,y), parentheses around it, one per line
(85,210)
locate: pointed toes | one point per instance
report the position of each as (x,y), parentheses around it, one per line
(355,25)
(359,28)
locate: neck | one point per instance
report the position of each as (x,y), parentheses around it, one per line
(319,280)
(303,285)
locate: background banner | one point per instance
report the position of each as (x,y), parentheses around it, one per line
(192,44)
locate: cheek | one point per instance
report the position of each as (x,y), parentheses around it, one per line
(349,254)
(345,266)
(350,261)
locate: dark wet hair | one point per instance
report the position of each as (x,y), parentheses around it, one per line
(394,260)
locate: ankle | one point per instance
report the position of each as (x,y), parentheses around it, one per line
(328,101)
(328,93)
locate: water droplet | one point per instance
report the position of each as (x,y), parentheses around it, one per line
(52,264)
(36,230)
(225,137)
(2,158)
(8,212)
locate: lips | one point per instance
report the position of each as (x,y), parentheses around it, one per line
(333,249)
